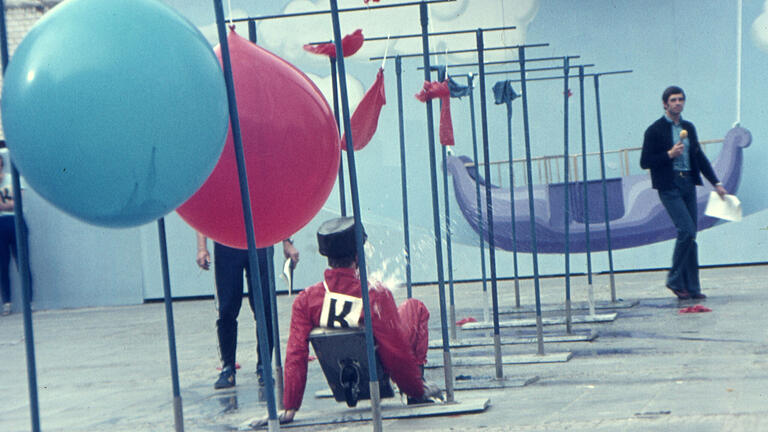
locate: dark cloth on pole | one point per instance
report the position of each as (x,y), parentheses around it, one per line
(503,93)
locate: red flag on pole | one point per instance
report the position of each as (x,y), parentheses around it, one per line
(440,90)
(366,116)
(350,44)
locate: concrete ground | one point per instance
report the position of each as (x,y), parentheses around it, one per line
(107,369)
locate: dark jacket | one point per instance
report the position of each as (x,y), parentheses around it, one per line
(658,140)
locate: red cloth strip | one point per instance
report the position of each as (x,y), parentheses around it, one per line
(440,90)
(350,44)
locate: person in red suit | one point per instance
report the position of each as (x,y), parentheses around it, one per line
(401,333)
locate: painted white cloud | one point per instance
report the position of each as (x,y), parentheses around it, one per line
(355,90)
(287,36)
(760,29)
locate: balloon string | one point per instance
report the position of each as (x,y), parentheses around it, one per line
(386,50)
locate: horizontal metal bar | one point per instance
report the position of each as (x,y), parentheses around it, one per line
(539,45)
(415,35)
(575,76)
(322,12)
(538,69)
(498,62)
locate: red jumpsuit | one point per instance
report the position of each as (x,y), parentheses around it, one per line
(401,334)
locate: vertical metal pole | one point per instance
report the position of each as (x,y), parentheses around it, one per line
(512,202)
(270,252)
(534,252)
(252,31)
(22,248)
(369,343)
(489,206)
(335,89)
(605,188)
(480,224)
(590,287)
(403,176)
(449,254)
(178,413)
(448,368)
(253,263)
(567,204)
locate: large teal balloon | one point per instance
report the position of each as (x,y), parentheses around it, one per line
(114,111)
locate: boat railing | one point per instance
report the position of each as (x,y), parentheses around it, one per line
(548,169)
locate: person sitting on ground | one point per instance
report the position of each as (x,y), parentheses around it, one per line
(401,333)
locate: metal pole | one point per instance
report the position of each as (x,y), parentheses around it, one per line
(512,203)
(403,176)
(605,188)
(449,253)
(590,287)
(270,253)
(486,305)
(261,318)
(448,368)
(567,204)
(539,328)
(252,31)
(353,9)
(178,413)
(369,343)
(489,208)
(22,247)
(335,87)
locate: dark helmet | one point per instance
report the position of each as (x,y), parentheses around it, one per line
(336,238)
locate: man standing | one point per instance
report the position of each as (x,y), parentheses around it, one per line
(228,271)
(672,152)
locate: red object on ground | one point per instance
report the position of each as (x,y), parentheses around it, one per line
(440,90)
(463,321)
(350,44)
(311,358)
(366,116)
(695,309)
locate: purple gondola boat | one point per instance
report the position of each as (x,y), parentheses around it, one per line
(636,215)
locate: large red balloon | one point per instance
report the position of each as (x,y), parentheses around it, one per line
(291,146)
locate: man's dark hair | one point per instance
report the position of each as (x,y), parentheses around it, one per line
(669,91)
(341,262)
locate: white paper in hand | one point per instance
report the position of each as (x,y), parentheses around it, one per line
(287,273)
(728,207)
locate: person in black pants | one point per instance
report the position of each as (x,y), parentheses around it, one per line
(672,152)
(228,271)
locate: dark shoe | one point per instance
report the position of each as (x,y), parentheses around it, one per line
(226,378)
(698,296)
(431,394)
(681,294)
